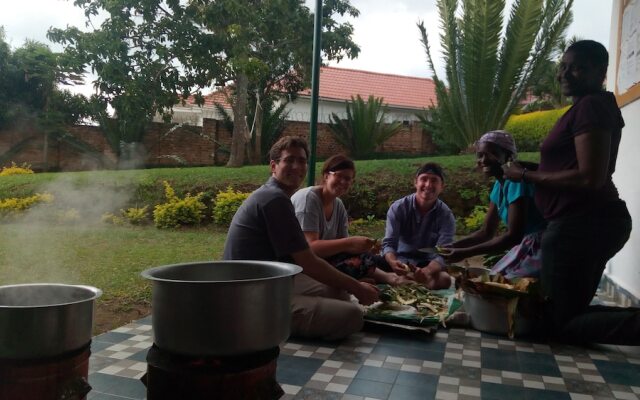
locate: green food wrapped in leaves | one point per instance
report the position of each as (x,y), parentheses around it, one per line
(424,302)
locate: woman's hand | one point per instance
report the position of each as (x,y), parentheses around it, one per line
(512,171)
(360,244)
(451,255)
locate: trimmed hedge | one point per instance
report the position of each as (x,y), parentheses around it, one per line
(529,130)
(378,184)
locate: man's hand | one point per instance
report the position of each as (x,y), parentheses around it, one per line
(399,280)
(400,268)
(428,273)
(366,293)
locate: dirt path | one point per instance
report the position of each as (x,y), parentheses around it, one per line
(111,315)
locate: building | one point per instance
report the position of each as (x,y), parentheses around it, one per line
(403,95)
(622,271)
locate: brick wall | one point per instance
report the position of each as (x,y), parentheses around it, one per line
(168,145)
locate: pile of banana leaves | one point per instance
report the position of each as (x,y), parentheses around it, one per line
(427,304)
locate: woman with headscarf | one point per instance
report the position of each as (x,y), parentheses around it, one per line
(588,223)
(510,202)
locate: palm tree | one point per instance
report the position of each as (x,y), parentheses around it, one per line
(487,71)
(365,127)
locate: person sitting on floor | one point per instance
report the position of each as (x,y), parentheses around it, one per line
(417,221)
(324,221)
(510,202)
(265,228)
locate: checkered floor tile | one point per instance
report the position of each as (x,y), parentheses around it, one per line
(386,363)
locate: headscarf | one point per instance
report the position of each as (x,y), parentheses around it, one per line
(501,139)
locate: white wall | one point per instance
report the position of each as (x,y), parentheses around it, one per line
(624,268)
(300,110)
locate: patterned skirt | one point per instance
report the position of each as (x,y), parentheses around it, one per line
(523,260)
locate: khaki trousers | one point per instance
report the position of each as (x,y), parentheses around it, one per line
(322,312)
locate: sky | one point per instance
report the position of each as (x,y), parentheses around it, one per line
(385,30)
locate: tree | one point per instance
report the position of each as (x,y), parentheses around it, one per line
(273,119)
(487,75)
(268,54)
(29,94)
(150,54)
(430,119)
(141,53)
(547,87)
(5,78)
(364,128)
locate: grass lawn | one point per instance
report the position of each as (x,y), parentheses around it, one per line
(110,258)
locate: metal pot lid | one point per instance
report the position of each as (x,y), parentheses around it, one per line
(43,295)
(182,273)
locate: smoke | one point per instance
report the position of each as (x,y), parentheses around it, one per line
(40,245)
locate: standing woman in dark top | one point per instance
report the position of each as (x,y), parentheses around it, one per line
(588,222)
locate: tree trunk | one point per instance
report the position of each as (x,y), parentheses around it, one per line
(132,155)
(238,137)
(45,145)
(257,145)
(45,151)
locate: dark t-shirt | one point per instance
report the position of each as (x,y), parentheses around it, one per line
(558,153)
(265,227)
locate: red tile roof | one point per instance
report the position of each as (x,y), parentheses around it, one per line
(214,97)
(342,83)
(397,90)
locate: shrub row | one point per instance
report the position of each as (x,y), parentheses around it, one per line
(368,200)
(529,130)
(15,206)
(15,169)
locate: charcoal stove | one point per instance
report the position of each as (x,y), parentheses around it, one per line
(61,377)
(247,376)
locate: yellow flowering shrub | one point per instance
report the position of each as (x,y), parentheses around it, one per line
(17,205)
(16,169)
(226,204)
(473,221)
(177,211)
(70,215)
(135,215)
(113,219)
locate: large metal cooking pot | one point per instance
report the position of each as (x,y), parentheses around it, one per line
(221,308)
(45,319)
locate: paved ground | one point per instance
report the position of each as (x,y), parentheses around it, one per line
(388,364)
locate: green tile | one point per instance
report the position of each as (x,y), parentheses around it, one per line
(401,392)
(362,387)
(385,375)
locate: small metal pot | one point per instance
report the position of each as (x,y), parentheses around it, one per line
(45,319)
(221,308)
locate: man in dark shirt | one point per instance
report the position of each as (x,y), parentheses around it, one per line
(265,228)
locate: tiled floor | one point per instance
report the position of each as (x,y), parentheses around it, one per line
(391,364)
